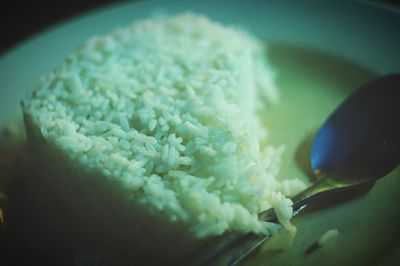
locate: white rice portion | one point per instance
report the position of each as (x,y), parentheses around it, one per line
(165,107)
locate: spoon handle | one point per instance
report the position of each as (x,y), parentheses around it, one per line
(320,188)
(232,249)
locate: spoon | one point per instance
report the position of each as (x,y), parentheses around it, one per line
(358,144)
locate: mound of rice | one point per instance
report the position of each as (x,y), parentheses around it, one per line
(150,133)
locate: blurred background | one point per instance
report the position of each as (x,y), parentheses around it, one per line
(21,20)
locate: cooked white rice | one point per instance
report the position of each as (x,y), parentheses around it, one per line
(328,237)
(164,110)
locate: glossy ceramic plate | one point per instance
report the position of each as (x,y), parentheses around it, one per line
(321,52)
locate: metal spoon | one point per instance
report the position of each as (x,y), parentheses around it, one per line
(358,144)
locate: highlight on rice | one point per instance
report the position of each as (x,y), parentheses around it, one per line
(155,126)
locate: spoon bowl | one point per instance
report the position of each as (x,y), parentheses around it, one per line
(361,139)
(359,142)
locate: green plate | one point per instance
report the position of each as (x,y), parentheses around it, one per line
(321,52)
